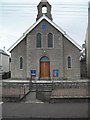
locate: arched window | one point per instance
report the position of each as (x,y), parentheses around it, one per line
(21,63)
(50,40)
(38,40)
(69,61)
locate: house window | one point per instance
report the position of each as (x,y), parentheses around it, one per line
(69,61)
(38,40)
(21,63)
(50,40)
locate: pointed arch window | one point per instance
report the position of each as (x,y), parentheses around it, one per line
(69,61)
(21,63)
(50,40)
(38,40)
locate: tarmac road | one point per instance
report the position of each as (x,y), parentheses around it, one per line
(45,111)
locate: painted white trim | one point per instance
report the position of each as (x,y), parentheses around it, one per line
(35,24)
(44,81)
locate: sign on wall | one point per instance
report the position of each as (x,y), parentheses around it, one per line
(33,73)
(55,73)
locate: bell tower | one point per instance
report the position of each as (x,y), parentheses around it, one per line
(44,8)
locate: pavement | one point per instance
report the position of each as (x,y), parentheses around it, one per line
(45,110)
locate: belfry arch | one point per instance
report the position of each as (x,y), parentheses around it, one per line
(44,8)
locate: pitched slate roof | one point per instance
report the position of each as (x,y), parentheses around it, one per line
(35,24)
(3,52)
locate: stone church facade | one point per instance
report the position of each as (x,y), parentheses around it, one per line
(45,51)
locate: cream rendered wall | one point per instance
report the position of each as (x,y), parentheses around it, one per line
(4,63)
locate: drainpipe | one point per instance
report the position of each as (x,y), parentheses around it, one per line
(1,68)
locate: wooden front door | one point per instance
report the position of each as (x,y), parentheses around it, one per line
(44,67)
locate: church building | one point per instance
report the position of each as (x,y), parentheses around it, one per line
(45,51)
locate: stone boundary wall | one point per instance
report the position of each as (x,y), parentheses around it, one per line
(44,91)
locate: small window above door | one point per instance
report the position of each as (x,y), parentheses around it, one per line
(44,59)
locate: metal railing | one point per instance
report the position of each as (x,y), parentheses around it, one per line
(14,91)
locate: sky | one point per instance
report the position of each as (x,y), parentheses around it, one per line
(16,16)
